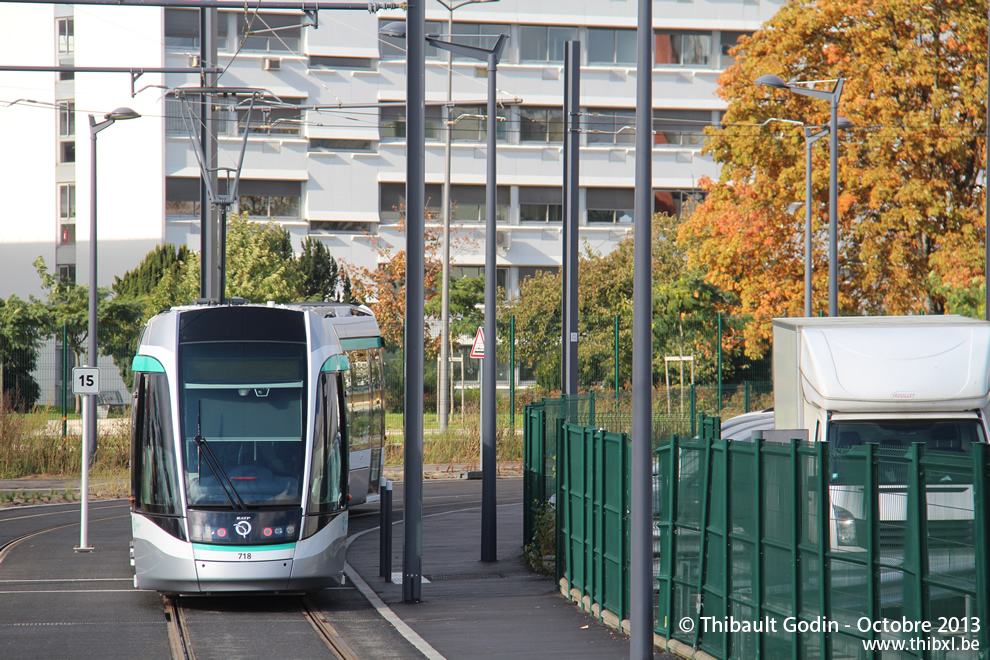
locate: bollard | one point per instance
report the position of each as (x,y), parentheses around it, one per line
(385,531)
(382,524)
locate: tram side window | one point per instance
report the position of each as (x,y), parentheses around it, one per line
(328,491)
(360,401)
(377,411)
(155,483)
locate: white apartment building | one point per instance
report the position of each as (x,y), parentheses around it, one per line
(338,172)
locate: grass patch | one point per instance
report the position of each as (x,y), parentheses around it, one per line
(31,444)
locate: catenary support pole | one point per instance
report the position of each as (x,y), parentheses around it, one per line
(412,549)
(489,535)
(572,64)
(641,514)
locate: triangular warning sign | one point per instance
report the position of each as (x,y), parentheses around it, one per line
(478,348)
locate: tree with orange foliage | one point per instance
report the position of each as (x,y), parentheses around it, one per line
(910,211)
(384,288)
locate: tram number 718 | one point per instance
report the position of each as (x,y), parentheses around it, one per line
(244,555)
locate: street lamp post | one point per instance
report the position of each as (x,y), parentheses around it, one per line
(443,402)
(810,137)
(832,96)
(488,455)
(89,400)
(489,365)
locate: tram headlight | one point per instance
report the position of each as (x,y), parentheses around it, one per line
(243,392)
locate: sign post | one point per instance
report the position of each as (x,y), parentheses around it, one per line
(478,352)
(85,382)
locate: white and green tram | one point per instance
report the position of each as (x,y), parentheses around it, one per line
(253,429)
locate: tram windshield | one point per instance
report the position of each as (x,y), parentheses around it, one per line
(246,401)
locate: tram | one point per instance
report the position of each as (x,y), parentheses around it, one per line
(253,429)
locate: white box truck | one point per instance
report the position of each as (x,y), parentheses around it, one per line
(884,379)
(893,382)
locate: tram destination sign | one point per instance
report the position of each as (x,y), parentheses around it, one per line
(85,380)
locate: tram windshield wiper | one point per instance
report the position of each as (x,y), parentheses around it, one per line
(203,449)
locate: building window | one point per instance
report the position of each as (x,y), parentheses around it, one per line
(608,46)
(269,33)
(67,273)
(66,75)
(271,120)
(728,41)
(526,272)
(479,35)
(393,122)
(338,144)
(677,47)
(677,203)
(394,48)
(537,204)
(681,127)
(174,122)
(541,212)
(182,30)
(67,201)
(182,196)
(269,206)
(392,200)
(610,127)
(610,205)
(66,152)
(541,124)
(66,36)
(67,234)
(470,123)
(342,227)
(323,62)
(544,43)
(270,199)
(66,119)
(468,202)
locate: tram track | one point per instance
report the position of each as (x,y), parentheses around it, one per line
(180,636)
(326,631)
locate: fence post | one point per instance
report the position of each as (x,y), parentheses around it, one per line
(694,410)
(718,408)
(981,485)
(746,396)
(615,344)
(512,373)
(65,380)
(591,408)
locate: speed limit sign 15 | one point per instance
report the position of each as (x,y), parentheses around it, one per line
(85,380)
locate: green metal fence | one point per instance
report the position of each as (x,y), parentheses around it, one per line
(785,550)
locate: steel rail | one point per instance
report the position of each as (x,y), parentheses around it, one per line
(326,631)
(175,621)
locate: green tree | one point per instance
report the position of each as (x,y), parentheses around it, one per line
(909,208)
(260,262)
(323,278)
(140,285)
(685,310)
(67,305)
(145,277)
(21,326)
(384,288)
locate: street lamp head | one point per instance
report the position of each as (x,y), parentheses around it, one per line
(770,80)
(122,113)
(396,30)
(842,124)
